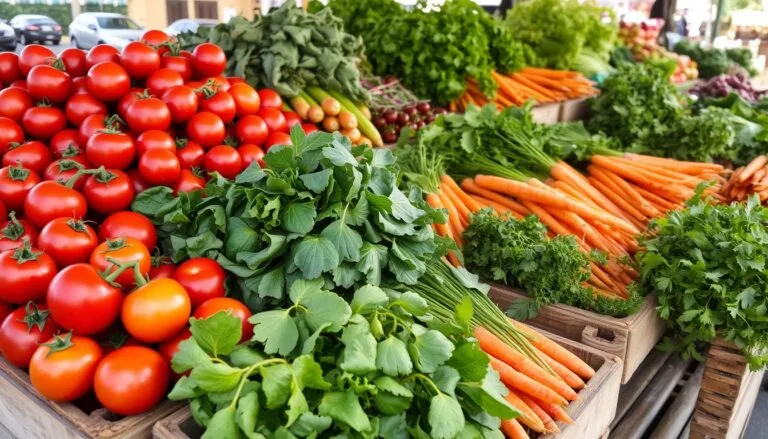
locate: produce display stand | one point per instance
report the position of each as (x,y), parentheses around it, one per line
(592,412)
(25,414)
(547,114)
(728,393)
(630,338)
(574,109)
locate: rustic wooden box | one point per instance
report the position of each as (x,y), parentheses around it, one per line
(547,114)
(574,109)
(592,412)
(727,396)
(26,414)
(630,338)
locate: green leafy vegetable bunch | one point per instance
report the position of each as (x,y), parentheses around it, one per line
(703,137)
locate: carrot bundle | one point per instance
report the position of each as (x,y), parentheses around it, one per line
(748,180)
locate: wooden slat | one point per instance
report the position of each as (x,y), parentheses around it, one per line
(679,413)
(640,380)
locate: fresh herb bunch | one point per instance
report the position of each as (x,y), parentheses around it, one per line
(362,16)
(750,124)
(707,264)
(370,368)
(320,209)
(288,50)
(703,137)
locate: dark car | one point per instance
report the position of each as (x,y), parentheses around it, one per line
(35,29)
(7,36)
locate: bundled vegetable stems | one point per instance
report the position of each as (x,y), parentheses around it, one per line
(748,180)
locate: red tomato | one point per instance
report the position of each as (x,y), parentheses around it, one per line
(33,55)
(162,79)
(308,128)
(182,101)
(111,149)
(270,99)
(246,99)
(203,278)
(23,330)
(251,129)
(102,53)
(223,159)
(5,310)
(33,155)
(50,200)
(154,139)
(63,369)
(157,311)
(108,191)
(14,231)
(169,348)
(206,128)
(65,144)
(124,249)
(9,67)
(10,132)
(232,306)
(27,272)
(154,37)
(43,121)
(19,83)
(179,64)
(277,139)
(139,185)
(218,83)
(131,380)
(126,101)
(190,153)
(159,167)
(139,60)
(274,119)
(209,60)
(90,126)
(221,104)
(81,300)
(15,184)
(79,85)
(63,170)
(129,225)
(48,82)
(236,80)
(147,113)
(291,119)
(108,81)
(188,181)
(82,105)
(162,268)
(68,241)
(250,153)
(74,61)
(3,211)
(14,102)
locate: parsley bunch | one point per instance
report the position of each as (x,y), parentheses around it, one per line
(707,265)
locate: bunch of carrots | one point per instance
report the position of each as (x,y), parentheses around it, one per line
(540,85)
(748,180)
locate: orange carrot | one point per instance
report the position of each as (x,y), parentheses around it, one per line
(530,84)
(548,220)
(557,412)
(619,200)
(563,372)
(435,203)
(528,417)
(513,430)
(547,420)
(453,218)
(564,172)
(516,380)
(470,186)
(549,73)
(451,184)
(461,208)
(623,189)
(757,163)
(555,351)
(498,208)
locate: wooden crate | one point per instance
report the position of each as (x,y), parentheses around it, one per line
(25,414)
(592,412)
(728,393)
(630,338)
(574,109)
(547,114)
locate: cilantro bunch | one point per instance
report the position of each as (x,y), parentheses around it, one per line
(370,368)
(707,265)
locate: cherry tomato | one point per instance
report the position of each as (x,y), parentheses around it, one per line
(291,119)
(154,37)
(188,181)
(217,83)
(209,60)
(108,81)
(65,144)
(33,55)
(251,129)
(308,128)
(74,61)
(246,98)
(68,241)
(23,330)
(270,99)
(250,153)
(9,67)
(27,272)
(81,300)
(126,101)
(48,82)
(223,159)
(147,113)
(43,121)
(139,60)
(190,153)
(49,200)
(179,64)
(139,185)
(275,139)
(203,278)
(162,268)
(15,184)
(63,170)
(14,102)
(232,306)
(82,105)
(131,380)
(79,85)
(274,119)
(63,369)
(11,132)
(159,167)
(221,104)
(129,225)
(162,79)
(124,249)
(111,149)
(108,191)
(206,128)
(14,231)
(170,347)
(33,155)
(154,139)
(156,311)
(102,53)
(182,101)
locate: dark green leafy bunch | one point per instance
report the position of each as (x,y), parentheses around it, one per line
(743,57)
(288,50)
(322,367)
(703,137)
(519,254)
(320,209)
(707,264)
(750,124)
(362,16)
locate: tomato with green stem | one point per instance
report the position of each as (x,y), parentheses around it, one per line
(15,184)
(182,101)
(23,330)
(102,53)
(131,380)
(43,121)
(122,251)
(33,55)
(232,306)
(92,124)
(14,231)
(68,241)
(223,159)
(63,369)
(156,310)
(49,200)
(154,37)
(10,133)
(154,139)
(159,167)
(65,144)
(33,155)
(190,153)
(127,100)
(189,181)
(219,103)
(108,81)
(202,278)
(139,59)
(50,82)
(74,61)
(108,191)
(127,224)
(63,170)
(27,272)
(148,113)
(81,105)
(162,267)
(111,148)
(14,102)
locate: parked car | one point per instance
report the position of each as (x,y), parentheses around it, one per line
(92,28)
(189,25)
(31,28)
(7,36)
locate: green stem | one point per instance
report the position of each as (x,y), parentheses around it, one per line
(248,373)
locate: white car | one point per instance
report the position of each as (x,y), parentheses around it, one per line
(189,25)
(92,28)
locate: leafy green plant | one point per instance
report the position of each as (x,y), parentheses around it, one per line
(369,368)
(703,137)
